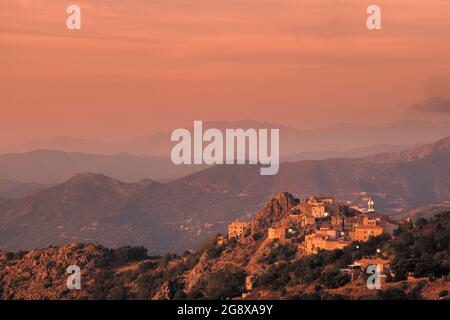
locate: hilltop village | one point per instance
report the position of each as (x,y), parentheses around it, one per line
(322,224)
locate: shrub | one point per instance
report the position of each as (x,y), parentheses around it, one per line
(147,265)
(333,279)
(280,253)
(392,294)
(224,284)
(258,235)
(164,261)
(129,254)
(443,293)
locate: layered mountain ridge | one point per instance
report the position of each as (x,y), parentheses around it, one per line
(178,215)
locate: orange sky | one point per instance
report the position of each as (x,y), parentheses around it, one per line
(139,66)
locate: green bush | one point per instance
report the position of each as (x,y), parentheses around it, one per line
(130,254)
(147,265)
(280,253)
(333,279)
(443,293)
(392,294)
(220,285)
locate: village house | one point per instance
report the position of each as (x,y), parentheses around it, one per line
(383,264)
(326,200)
(363,233)
(321,207)
(337,222)
(322,200)
(314,243)
(318,210)
(280,233)
(359,267)
(371,225)
(350,223)
(380,220)
(371,220)
(237,229)
(327,232)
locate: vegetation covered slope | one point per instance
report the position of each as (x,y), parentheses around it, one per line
(420,254)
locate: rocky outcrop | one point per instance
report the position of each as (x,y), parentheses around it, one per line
(42,273)
(274,211)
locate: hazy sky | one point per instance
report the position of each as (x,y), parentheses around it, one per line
(138,66)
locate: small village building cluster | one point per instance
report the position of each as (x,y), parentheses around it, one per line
(323,225)
(319,223)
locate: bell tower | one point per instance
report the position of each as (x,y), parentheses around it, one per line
(370,205)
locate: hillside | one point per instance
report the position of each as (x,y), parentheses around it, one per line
(427,211)
(217,271)
(178,215)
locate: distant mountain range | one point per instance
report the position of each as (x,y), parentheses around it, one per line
(56,160)
(311,144)
(50,167)
(350,153)
(24,172)
(177,215)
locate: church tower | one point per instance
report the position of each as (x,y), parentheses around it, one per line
(370,205)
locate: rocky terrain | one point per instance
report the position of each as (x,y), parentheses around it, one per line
(175,216)
(419,252)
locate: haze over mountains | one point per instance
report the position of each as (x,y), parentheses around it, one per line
(12,189)
(176,216)
(45,167)
(53,161)
(328,141)
(50,167)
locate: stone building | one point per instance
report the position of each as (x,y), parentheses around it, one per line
(363,233)
(314,243)
(329,233)
(237,229)
(280,233)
